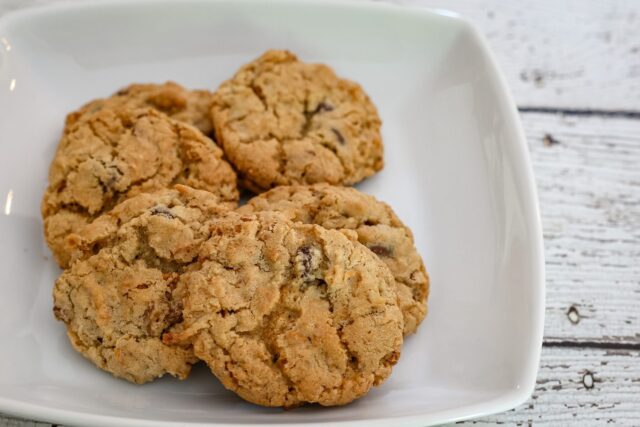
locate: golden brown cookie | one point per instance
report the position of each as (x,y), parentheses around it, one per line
(281,121)
(376,225)
(189,106)
(114,154)
(120,296)
(286,314)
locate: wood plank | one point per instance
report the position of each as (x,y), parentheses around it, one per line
(580,387)
(588,175)
(577,54)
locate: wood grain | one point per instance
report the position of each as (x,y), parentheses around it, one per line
(580,387)
(588,175)
(579,54)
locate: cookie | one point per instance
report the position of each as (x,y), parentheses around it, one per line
(286,314)
(189,106)
(117,153)
(376,225)
(281,121)
(120,296)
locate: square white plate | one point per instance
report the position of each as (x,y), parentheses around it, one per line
(457,171)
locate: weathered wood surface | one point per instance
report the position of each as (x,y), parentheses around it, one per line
(574,68)
(580,386)
(588,175)
(577,54)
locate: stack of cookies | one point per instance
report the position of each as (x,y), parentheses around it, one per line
(301,295)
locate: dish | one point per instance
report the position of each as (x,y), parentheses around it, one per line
(469,193)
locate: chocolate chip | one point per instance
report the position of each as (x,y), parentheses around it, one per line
(381,250)
(174,316)
(224,312)
(114,174)
(305,255)
(142,286)
(338,135)
(162,211)
(172,281)
(323,106)
(317,283)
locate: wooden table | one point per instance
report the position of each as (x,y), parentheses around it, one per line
(574,69)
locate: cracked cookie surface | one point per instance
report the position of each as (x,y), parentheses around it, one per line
(189,106)
(282,121)
(377,227)
(118,153)
(286,314)
(120,296)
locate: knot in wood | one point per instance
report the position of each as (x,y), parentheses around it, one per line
(588,380)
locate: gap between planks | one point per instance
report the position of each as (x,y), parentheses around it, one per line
(583,112)
(591,344)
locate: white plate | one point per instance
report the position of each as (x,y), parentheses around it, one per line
(457,171)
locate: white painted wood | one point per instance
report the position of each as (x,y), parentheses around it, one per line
(572,54)
(589,190)
(563,395)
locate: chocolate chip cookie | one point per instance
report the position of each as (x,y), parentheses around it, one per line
(281,121)
(114,154)
(189,106)
(376,225)
(120,296)
(286,314)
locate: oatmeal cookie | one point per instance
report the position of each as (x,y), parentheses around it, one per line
(286,314)
(281,121)
(377,227)
(118,153)
(189,106)
(120,296)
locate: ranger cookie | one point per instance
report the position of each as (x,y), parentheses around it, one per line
(281,121)
(115,154)
(286,314)
(120,296)
(376,225)
(189,106)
